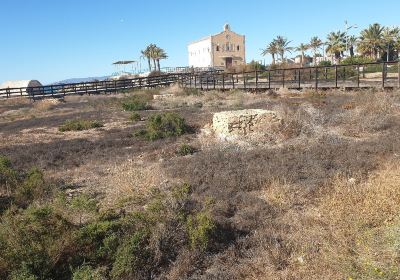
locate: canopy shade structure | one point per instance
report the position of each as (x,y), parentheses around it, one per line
(121,65)
(123,62)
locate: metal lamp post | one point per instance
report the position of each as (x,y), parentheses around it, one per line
(347,28)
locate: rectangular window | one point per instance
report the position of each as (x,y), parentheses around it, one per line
(238,48)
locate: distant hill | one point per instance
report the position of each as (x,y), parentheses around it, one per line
(80,80)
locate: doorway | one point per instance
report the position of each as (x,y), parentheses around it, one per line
(228,62)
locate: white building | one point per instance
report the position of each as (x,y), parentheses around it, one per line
(225,49)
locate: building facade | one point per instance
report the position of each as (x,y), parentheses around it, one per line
(225,49)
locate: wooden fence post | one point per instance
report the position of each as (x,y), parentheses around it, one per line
(223,81)
(299,78)
(336,77)
(383,75)
(214,80)
(283,78)
(269,79)
(398,78)
(358,75)
(256,79)
(316,78)
(244,80)
(233,82)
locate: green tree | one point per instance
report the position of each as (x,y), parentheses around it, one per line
(282,45)
(146,53)
(271,49)
(371,41)
(159,54)
(336,44)
(315,45)
(389,37)
(302,48)
(351,43)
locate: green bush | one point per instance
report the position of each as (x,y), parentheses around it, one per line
(134,117)
(199,227)
(82,204)
(137,102)
(86,272)
(8,176)
(32,188)
(185,150)
(132,257)
(78,125)
(164,125)
(23,273)
(325,63)
(357,60)
(34,240)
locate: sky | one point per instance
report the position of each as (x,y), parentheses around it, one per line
(52,40)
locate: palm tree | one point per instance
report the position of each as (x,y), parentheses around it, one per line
(159,54)
(371,40)
(282,45)
(146,54)
(315,44)
(302,48)
(272,50)
(389,37)
(336,44)
(153,54)
(351,42)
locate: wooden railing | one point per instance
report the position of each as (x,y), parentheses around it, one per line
(368,75)
(97,87)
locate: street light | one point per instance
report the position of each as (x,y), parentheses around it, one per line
(347,28)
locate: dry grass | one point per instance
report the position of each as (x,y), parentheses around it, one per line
(321,202)
(46,104)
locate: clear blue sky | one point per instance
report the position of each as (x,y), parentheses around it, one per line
(51,40)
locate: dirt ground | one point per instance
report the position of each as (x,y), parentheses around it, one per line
(266,192)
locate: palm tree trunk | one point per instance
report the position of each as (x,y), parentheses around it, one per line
(149,63)
(273,58)
(315,58)
(158,64)
(154,63)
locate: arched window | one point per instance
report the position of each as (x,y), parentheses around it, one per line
(237,48)
(227,47)
(217,49)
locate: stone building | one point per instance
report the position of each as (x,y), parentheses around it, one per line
(225,49)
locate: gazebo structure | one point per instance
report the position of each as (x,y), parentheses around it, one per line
(122,65)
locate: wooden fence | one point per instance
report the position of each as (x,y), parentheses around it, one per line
(382,75)
(97,87)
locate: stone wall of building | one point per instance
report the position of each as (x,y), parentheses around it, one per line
(229,44)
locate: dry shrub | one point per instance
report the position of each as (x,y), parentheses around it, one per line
(136,182)
(345,230)
(16,101)
(46,104)
(373,112)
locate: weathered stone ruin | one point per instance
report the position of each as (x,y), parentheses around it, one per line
(233,124)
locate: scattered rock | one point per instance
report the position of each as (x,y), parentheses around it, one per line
(163,96)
